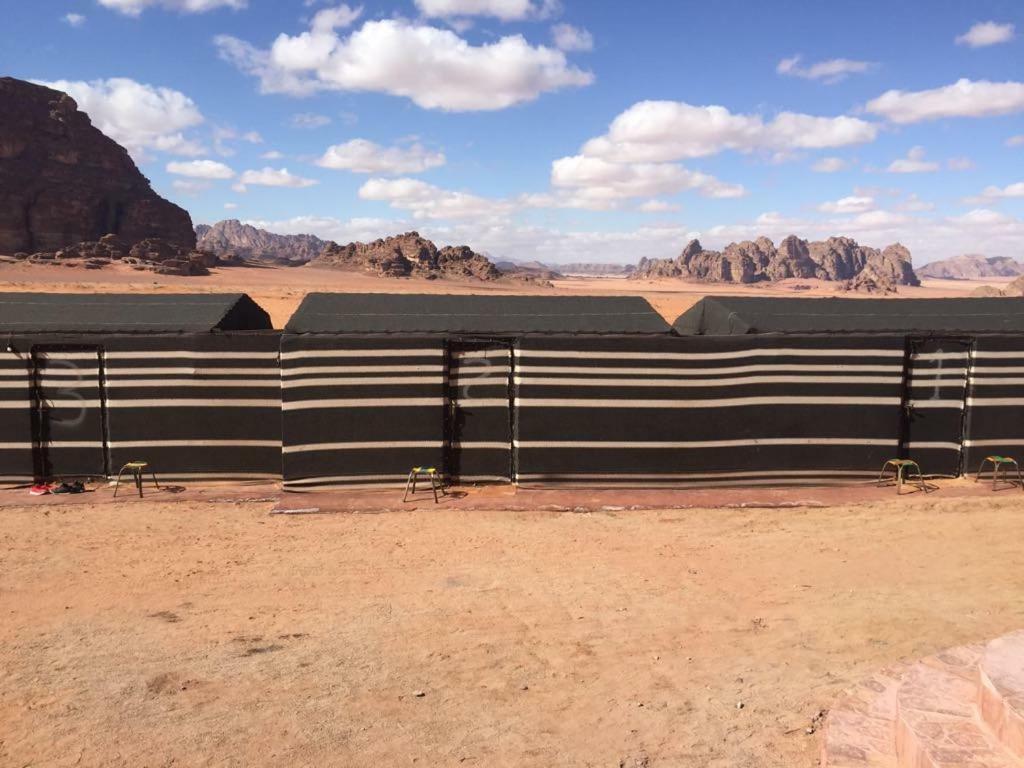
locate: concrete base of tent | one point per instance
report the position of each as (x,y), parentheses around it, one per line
(518,499)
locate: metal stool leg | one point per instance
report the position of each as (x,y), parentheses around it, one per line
(433,486)
(153,475)
(981,468)
(408,482)
(117,484)
(995,475)
(138,481)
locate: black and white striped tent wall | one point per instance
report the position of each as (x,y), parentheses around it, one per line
(195,404)
(746,410)
(994,423)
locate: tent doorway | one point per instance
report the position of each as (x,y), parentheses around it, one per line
(479,423)
(68,412)
(934,403)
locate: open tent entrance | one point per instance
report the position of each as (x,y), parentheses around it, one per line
(934,403)
(68,412)
(479,412)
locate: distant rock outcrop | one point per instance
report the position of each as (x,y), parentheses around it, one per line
(596,269)
(244,241)
(972,266)
(837,259)
(528,269)
(151,254)
(1014,289)
(63,182)
(408,255)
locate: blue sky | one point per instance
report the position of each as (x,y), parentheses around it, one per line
(568,130)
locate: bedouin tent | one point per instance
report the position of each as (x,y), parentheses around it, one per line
(189,383)
(374,384)
(938,380)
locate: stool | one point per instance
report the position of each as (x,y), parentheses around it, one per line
(435,481)
(136,469)
(1000,462)
(900,467)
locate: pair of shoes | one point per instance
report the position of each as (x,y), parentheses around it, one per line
(73,487)
(40,490)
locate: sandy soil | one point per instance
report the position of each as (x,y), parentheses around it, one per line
(280,290)
(159,634)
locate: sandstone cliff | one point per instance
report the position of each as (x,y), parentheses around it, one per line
(971,266)
(839,259)
(244,241)
(408,255)
(63,182)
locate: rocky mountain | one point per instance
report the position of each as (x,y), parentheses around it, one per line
(244,241)
(596,269)
(408,255)
(838,258)
(62,181)
(1014,289)
(532,269)
(972,266)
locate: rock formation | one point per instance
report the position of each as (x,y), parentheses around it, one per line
(971,266)
(528,270)
(63,182)
(596,269)
(151,254)
(233,238)
(1015,289)
(408,255)
(837,259)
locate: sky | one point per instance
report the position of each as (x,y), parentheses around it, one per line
(560,130)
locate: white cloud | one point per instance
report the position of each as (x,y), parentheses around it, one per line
(986,33)
(426,201)
(914,162)
(272,155)
(309,120)
(136,7)
(960,164)
(200,169)
(660,131)
(658,206)
(851,204)
(570,38)
(914,203)
(1016,141)
(230,206)
(829,71)
(224,134)
(138,116)
(271,177)
(190,186)
(506,10)
(433,67)
(964,98)
(73,19)
(364,156)
(993,193)
(829,165)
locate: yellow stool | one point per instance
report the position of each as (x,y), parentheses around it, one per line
(435,481)
(135,468)
(999,462)
(900,474)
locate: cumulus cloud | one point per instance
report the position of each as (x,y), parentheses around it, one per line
(993,193)
(506,10)
(661,131)
(190,186)
(435,68)
(200,169)
(829,165)
(914,162)
(570,38)
(658,206)
(960,164)
(829,71)
(851,204)
(1016,141)
(73,19)
(426,201)
(364,156)
(309,120)
(222,135)
(271,177)
(273,154)
(136,7)
(986,33)
(230,206)
(964,98)
(138,116)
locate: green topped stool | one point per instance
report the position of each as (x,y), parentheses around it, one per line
(1000,462)
(136,469)
(901,474)
(429,472)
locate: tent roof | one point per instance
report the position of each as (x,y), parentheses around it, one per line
(491,314)
(129,313)
(729,315)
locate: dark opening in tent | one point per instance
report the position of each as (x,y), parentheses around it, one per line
(732,315)
(129,313)
(189,383)
(498,315)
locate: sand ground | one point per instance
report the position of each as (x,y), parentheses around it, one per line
(280,290)
(214,634)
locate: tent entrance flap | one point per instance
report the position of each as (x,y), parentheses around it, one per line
(479,428)
(934,403)
(68,413)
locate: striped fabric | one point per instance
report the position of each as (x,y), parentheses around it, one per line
(749,410)
(995,401)
(360,412)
